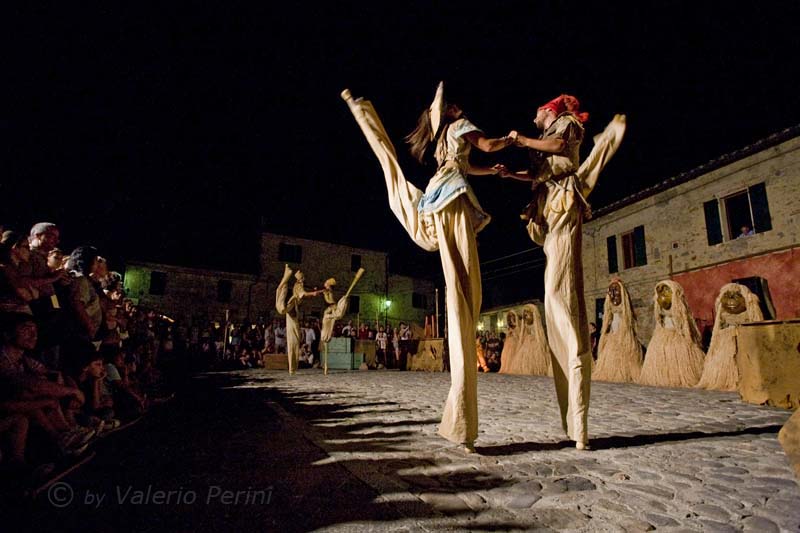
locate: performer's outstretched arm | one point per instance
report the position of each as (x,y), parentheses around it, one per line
(486,144)
(552,145)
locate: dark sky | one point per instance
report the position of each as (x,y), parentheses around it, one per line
(173,134)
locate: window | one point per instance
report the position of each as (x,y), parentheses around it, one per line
(611,244)
(355,262)
(726,217)
(158,283)
(760,288)
(224,290)
(355,304)
(633,248)
(419,301)
(290,253)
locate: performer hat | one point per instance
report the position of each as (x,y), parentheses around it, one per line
(566,103)
(330,282)
(437,110)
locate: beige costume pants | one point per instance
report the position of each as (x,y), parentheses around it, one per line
(567,324)
(451,231)
(289,309)
(562,207)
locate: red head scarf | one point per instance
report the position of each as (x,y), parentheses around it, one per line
(566,102)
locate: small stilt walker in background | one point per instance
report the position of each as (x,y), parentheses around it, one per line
(291,308)
(334,311)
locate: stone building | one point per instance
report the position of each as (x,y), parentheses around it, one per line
(688,228)
(194,294)
(379,295)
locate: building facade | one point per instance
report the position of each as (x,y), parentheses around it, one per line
(203,295)
(379,296)
(736,218)
(194,295)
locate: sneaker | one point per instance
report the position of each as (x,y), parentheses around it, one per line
(76,450)
(108,425)
(83,435)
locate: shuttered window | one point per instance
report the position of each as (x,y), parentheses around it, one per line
(611,243)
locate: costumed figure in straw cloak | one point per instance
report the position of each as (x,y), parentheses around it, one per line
(532,354)
(445,217)
(290,306)
(334,311)
(555,217)
(736,304)
(511,343)
(674,356)
(619,353)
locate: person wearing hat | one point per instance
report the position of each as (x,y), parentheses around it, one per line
(334,311)
(555,218)
(445,217)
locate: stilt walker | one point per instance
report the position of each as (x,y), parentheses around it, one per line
(446,217)
(291,308)
(555,218)
(335,311)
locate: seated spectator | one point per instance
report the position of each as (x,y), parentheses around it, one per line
(128,403)
(244,358)
(98,410)
(306,358)
(31,389)
(15,291)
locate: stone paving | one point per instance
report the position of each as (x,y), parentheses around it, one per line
(665,459)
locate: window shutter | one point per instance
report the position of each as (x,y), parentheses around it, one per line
(762,221)
(639,246)
(611,243)
(713,226)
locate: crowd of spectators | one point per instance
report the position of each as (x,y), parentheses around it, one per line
(490,348)
(77,358)
(246,344)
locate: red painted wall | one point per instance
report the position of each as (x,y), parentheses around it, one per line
(780,269)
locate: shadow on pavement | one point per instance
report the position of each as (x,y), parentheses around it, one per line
(221,458)
(604,443)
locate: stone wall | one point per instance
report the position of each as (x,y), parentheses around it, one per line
(192,294)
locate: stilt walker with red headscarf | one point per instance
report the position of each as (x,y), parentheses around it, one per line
(554,219)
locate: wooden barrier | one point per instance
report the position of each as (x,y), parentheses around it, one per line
(768,357)
(429,356)
(276,361)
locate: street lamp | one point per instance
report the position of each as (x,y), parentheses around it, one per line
(386,304)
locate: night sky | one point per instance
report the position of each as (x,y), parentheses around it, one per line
(176,134)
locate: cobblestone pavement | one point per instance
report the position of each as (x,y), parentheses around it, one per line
(666,459)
